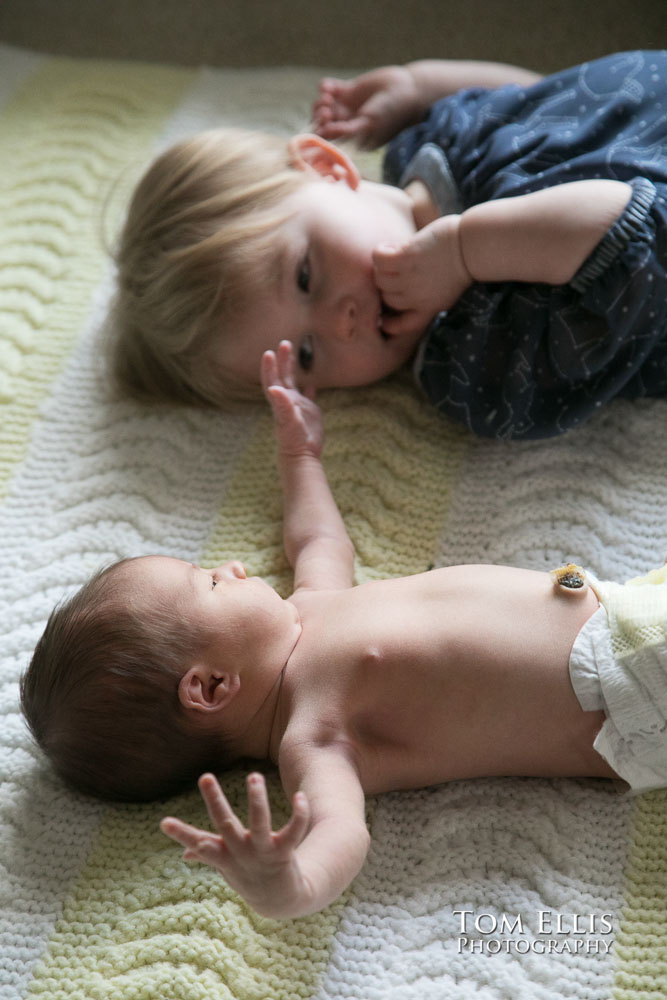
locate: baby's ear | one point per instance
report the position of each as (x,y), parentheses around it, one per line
(205,690)
(310,152)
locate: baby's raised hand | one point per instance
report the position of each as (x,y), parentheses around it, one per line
(422,277)
(297,417)
(256,862)
(370,108)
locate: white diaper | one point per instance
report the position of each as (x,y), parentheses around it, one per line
(619,664)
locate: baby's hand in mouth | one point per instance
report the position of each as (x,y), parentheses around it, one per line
(386,313)
(395,324)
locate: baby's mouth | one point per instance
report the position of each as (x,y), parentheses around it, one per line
(385,311)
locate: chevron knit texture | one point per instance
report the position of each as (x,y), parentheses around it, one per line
(516,889)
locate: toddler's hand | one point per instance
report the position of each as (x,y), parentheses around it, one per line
(297,417)
(422,277)
(256,862)
(370,109)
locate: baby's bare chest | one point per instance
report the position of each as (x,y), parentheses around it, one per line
(390,689)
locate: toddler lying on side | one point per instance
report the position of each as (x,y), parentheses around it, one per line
(515,253)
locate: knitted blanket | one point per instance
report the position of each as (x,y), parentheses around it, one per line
(505,888)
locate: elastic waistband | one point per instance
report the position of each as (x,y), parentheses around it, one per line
(431,166)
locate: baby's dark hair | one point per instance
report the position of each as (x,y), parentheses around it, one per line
(101,695)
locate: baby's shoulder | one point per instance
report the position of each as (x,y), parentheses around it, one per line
(321,750)
(317,606)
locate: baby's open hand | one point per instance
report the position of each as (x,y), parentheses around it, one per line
(422,277)
(370,109)
(256,862)
(297,417)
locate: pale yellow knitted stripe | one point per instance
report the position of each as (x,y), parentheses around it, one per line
(379,442)
(393,463)
(640,947)
(141,923)
(68,136)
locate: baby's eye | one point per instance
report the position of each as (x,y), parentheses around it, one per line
(214,583)
(305,355)
(303,275)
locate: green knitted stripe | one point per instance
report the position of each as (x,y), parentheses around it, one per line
(90,122)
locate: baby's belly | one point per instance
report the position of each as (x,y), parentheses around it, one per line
(453,746)
(417,746)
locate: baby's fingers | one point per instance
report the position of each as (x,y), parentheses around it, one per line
(292,833)
(284,410)
(392,265)
(285,363)
(197,844)
(220,812)
(277,367)
(389,259)
(410,321)
(181,832)
(268,371)
(353,128)
(259,810)
(331,84)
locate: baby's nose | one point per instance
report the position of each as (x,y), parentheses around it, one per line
(232,570)
(345,319)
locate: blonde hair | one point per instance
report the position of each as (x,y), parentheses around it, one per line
(199,236)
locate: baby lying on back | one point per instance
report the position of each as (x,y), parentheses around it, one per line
(159,670)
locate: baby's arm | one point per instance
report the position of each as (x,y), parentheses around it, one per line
(540,237)
(316,541)
(304,866)
(373,107)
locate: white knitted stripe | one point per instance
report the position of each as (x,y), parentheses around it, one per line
(595,497)
(511,847)
(62,521)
